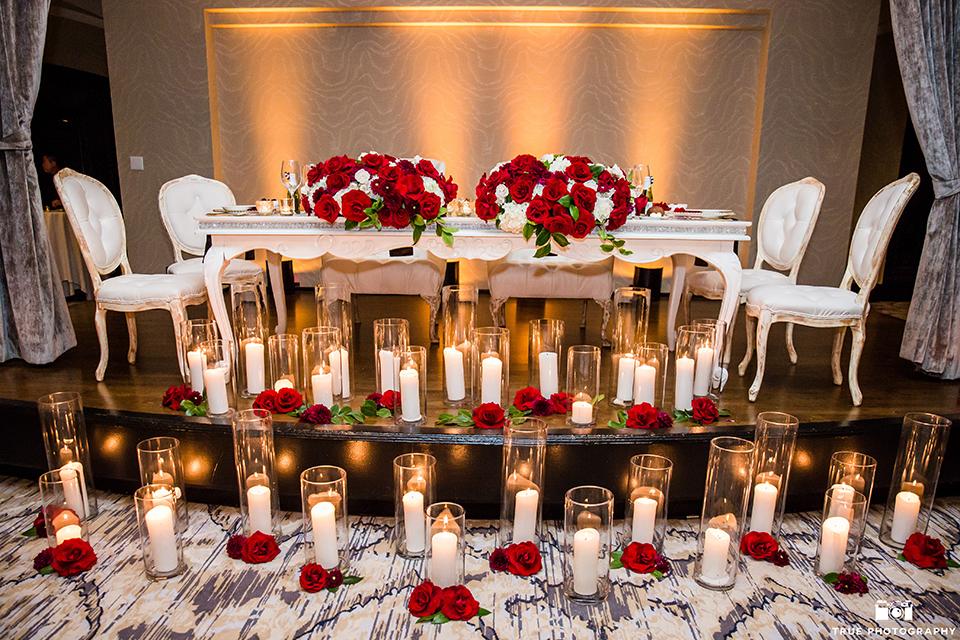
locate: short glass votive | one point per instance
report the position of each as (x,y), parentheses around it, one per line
(694,366)
(326,528)
(193,333)
(491,365)
(335,310)
(264,207)
(445,532)
(647,499)
(718,331)
(161,537)
(650,375)
(776,439)
(249,328)
(726,494)
(255,458)
(61,496)
(284,353)
(218,377)
(458,320)
(630,318)
(160,464)
(390,337)
(587,544)
(583,384)
(923,443)
(65,438)
(521,493)
(841,530)
(286,206)
(414,476)
(546,347)
(322,365)
(413,387)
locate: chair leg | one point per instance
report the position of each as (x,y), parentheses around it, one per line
(100,319)
(835,359)
(262,287)
(434,302)
(179,313)
(790,348)
(856,350)
(607,306)
(496,310)
(583,316)
(748,356)
(132,331)
(685,302)
(763,331)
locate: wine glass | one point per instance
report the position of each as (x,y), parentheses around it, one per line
(291,177)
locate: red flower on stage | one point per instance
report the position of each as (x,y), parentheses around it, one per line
(526,397)
(425,600)
(288,399)
(73,556)
(641,557)
(313,578)
(705,411)
(642,416)
(523,559)
(488,416)
(259,548)
(561,402)
(267,400)
(925,552)
(458,603)
(759,545)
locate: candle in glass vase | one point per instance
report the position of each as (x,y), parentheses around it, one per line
(912,487)
(197,362)
(625,371)
(215,380)
(322,382)
(453,370)
(286,382)
(644,519)
(645,384)
(549,377)
(833,544)
(764,507)
(68,532)
(323,519)
(413,520)
(582,412)
(410,395)
(525,516)
(716,546)
(906,512)
(163,541)
(586,553)
(704,373)
(491,372)
(683,393)
(74,489)
(256,377)
(842,503)
(443,564)
(386,370)
(258,509)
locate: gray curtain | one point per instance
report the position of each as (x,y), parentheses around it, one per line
(35,322)
(926,33)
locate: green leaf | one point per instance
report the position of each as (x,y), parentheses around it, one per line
(597,399)
(349,224)
(574,212)
(369,411)
(613,424)
(528,230)
(657,574)
(366,224)
(543,238)
(560,239)
(483,612)
(542,251)
(680,415)
(47,570)
(864,578)
(439,618)
(951,563)
(606,248)
(443,417)
(565,201)
(356,416)
(596,170)
(902,557)
(351,579)
(417,232)
(332,589)
(626,252)
(831,578)
(30,533)
(616,564)
(336,420)
(384,413)
(724,413)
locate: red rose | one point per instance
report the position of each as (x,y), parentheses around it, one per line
(561,402)
(314,173)
(337,181)
(373,161)
(172,398)
(925,552)
(449,188)
(617,218)
(425,600)
(327,208)
(579,171)
(705,411)
(521,190)
(337,163)
(524,559)
(554,189)
(759,545)
(486,207)
(429,205)
(525,398)
(642,416)
(605,181)
(73,556)
(390,173)
(458,603)
(354,204)
(559,221)
(410,186)
(584,225)
(267,400)
(538,210)
(40,525)
(427,168)
(640,205)
(288,399)
(526,163)
(583,197)
(641,557)
(259,547)
(313,578)
(488,416)
(399,218)
(389,399)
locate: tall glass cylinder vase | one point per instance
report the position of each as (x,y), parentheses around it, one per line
(63,506)
(322,365)
(250,333)
(718,331)
(256,473)
(284,352)
(65,437)
(521,494)
(445,530)
(587,544)
(725,499)
(491,365)
(854,470)
(459,319)
(583,384)
(326,527)
(160,464)
(193,333)
(161,532)
(649,494)
(694,368)
(218,379)
(413,387)
(630,318)
(650,376)
(841,530)
(414,477)
(923,443)
(776,439)
(334,309)
(390,337)
(546,347)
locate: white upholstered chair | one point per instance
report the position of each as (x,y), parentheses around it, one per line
(838,307)
(98,225)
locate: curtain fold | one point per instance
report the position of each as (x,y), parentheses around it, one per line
(35,322)
(927,37)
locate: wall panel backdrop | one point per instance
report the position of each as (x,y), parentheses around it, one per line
(724,105)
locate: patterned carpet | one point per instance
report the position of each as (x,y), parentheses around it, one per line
(223,598)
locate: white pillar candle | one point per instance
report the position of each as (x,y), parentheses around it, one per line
(625,371)
(410,395)
(833,544)
(586,554)
(258,509)
(413,521)
(549,376)
(716,546)
(443,563)
(683,393)
(324,521)
(335,372)
(842,502)
(322,384)
(644,519)
(283,383)
(74,488)
(68,532)
(906,512)
(525,516)
(582,412)
(764,507)
(163,541)
(197,362)
(453,370)
(386,370)
(215,380)
(491,373)
(256,378)
(645,385)
(163,496)
(704,375)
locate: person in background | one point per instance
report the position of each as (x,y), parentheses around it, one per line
(48,191)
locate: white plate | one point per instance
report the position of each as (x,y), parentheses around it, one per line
(238,208)
(702,214)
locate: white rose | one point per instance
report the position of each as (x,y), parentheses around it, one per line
(367,188)
(362,176)
(603,208)
(497,168)
(617,171)
(538,190)
(338,196)
(513,218)
(322,183)
(430,186)
(502,191)
(592,184)
(547,158)
(560,163)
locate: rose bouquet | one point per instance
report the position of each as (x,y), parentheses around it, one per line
(380,191)
(555,197)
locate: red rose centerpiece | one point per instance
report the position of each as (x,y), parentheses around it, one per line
(520,559)
(430,603)
(641,557)
(286,400)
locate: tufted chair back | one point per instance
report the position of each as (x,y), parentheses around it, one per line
(180,200)
(786,224)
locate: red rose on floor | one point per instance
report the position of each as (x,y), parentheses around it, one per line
(499,561)
(524,559)
(925,552)
(525,398)
(641,557)
(327,208)
(579,171)
(561,402)
(759,545)
(73,556)
(486,206)
(425,600)
(354,204)
(705,411)
(388,399)
(429,206)
(288,400)
(458,603)
(642,416)
(235,546)
(313,578)
(267,400)
(583,197)
(488,416)
(521,190)
(173,397)
(259,547)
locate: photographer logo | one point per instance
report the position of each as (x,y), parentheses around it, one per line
(900,611)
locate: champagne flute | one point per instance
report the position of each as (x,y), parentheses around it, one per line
(291,178)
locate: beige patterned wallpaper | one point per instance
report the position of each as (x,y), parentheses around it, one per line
(723,103)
